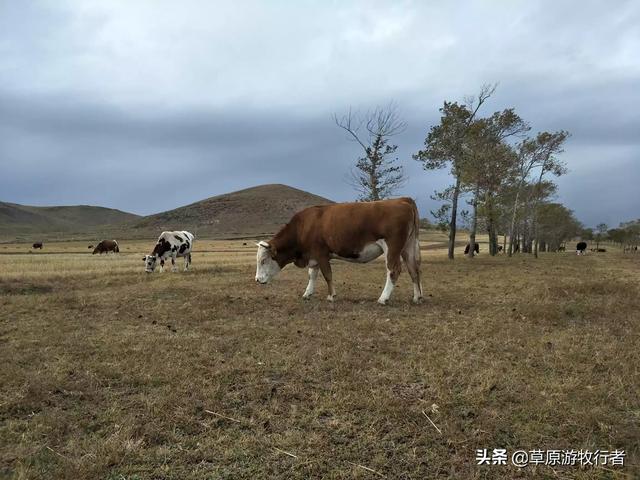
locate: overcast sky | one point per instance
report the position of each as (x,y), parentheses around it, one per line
(148,105)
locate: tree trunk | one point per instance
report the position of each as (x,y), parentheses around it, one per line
(474,223)
(491,226)
(454,218)
(534,216)
(513,222)
(525,236)
(493,238)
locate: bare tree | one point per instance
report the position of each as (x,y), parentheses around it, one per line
(377,174)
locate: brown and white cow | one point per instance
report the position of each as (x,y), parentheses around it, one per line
(106,246)
(355,232)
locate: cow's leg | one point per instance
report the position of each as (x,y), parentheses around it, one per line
(187,261)
(411,257)
(173,264)
(311,286)
(161,265)
(392,254)
(325,268)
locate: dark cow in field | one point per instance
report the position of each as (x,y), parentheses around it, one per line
(170,245)
(38,245)
(90,247)
(500,248)
(354,232)
(106,246)
(561,248)
(599,250)
(476,248)
(581,248)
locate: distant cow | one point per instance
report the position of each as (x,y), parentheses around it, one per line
(500,248)
(170,245)
(476,248)
(38,245)
(354,232)
(90,247)
(581,248)
(106,246)
(561,248)
(599,250)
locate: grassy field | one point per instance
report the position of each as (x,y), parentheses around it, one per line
(114,374)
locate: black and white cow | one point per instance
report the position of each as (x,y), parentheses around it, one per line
(170,245)
(581,248)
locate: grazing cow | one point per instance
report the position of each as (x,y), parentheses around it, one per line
(354,232)
(106,246)
(170,245)
(476,248)
(38,245)
(500,248)
(561,248)
(581,248)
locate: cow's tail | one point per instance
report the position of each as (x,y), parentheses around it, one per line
(414,233)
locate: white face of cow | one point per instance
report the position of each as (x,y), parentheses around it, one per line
(267,267)
(149,263)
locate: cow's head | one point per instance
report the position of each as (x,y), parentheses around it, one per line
(267,266)
(149,263)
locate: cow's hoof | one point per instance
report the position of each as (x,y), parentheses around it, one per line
(331,298)
(307,296)
(382,301)
(418,301)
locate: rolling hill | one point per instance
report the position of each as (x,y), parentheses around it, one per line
(258,210)
(24,220)
(255,211)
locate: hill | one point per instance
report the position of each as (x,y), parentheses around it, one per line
(257,210)
(24,220)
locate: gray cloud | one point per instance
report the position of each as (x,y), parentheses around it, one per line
(145,106)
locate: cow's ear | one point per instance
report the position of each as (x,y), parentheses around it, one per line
(144,259)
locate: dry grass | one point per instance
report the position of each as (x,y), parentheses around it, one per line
(111,373)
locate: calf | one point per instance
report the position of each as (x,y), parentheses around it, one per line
(170,245)
(38,245)
(106,246)
(476,248)
(581,248)
(354,232)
